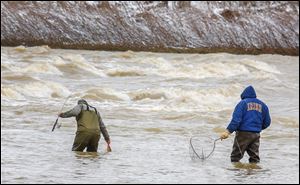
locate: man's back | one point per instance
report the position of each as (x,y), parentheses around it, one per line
(254,115)
(251,114)
(88,121)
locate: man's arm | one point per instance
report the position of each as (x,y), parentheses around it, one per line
(267,119)
(237,117)
(103,129)
(72,113)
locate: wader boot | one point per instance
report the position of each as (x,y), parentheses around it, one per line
(88,132)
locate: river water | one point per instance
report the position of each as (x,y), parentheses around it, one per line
(151,104)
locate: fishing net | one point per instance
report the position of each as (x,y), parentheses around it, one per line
(202,148)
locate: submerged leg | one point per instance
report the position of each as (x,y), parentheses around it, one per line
(253,150)
(93,143)
(81,141)
(239,147)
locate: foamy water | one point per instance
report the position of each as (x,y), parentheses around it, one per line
(151,103)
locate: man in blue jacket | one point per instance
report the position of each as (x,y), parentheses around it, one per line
(249,118)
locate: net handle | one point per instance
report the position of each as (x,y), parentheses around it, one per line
(213,147)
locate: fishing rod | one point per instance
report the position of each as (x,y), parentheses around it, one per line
(58,115)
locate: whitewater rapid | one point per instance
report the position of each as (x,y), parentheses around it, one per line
(151,103)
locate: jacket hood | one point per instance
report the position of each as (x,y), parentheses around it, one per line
(249,92)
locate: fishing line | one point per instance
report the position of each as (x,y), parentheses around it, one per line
(60,112)
(235,139)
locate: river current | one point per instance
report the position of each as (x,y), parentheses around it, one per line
(151,104)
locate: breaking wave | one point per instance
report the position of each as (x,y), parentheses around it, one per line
(45,89)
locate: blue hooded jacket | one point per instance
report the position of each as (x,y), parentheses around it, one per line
(250,114)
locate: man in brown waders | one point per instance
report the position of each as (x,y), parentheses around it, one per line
(89,125)
(249,118)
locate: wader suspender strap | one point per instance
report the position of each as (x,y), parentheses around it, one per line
(89,108)
(94,109)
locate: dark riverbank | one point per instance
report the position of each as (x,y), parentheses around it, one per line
(187,27)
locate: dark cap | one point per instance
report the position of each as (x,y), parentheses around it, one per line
(82,101)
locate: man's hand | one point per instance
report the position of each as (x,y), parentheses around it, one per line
(60,114)
(225,135)
(108,146)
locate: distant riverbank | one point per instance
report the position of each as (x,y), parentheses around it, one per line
(158,26)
